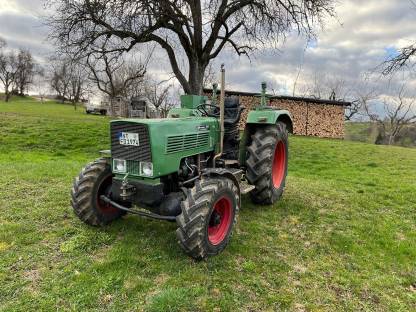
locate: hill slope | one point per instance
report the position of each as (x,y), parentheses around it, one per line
(342,238)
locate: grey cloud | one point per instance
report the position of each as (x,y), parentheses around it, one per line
(25,31)
(348,47)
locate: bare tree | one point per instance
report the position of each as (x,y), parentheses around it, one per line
(399,111)
(327,87)
(60,78)
(197,30)
(361,96)
(26,71)
(403,58)
(209,76)
(8,70)
(158,94)
(78,83)
(113,74)
(68,79)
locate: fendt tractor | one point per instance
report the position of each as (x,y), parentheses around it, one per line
(190,168)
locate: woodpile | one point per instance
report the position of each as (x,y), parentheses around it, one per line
(311,117)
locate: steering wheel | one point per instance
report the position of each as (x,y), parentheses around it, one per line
(202,109)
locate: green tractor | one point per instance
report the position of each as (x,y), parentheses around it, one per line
(190,168)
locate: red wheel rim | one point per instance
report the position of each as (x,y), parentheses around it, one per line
(104,207)
(220,220)
(279,163)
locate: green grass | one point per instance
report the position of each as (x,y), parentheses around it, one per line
(343,238)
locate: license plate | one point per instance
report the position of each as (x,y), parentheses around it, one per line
(128,138)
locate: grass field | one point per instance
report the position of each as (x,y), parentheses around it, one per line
(343,238)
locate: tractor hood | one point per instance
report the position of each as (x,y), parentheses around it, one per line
(164,142)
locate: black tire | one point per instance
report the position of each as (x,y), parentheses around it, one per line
(267,163)
(203,230)
(93,181)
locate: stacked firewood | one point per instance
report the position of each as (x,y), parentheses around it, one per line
(309,118)
(315,119)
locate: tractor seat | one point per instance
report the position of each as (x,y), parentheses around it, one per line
(232,110)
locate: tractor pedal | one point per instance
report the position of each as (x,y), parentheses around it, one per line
(246,188)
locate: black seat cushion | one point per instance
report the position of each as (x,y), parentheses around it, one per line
(231,102)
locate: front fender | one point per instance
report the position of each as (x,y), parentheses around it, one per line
(233,174)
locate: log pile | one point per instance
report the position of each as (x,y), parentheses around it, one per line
(311,118)
(314,119)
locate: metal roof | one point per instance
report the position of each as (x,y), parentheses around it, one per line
(285,97)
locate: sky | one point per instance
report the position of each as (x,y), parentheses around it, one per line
(347,49)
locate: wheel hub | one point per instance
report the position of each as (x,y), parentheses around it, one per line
(105,189)
(220,221)
(215,219)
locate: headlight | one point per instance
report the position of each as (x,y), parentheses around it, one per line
(119,165)
(146,169)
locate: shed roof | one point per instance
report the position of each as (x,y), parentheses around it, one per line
(285,97)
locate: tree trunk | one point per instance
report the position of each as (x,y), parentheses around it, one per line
(6,92)
(196,76)
(391,139)
(22,89)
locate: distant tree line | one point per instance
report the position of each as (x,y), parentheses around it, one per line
(72,80)
(17,70)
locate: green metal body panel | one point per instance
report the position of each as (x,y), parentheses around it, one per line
(192,101)
(172,139)
(266,116)
(182,112)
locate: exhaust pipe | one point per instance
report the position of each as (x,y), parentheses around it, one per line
(222,99)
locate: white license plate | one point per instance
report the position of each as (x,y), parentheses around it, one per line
(128,138)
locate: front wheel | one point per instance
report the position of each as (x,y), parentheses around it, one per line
(209,212)
(93,181)
(267,163)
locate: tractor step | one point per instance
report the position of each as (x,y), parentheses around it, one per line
(246,188)
(229,162)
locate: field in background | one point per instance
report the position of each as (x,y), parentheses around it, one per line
(342,238)
(361,131)
(367,132)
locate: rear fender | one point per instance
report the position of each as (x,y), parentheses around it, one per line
(270,117)
(261,118)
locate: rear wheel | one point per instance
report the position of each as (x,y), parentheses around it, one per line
(267,163)
(209,212)
(93,181)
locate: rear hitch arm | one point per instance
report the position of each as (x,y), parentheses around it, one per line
(140,213)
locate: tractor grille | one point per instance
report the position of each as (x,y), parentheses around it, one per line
(134,153)
(133,167)
(179,143)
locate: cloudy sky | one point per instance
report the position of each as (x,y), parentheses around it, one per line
(349,47)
